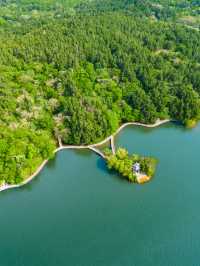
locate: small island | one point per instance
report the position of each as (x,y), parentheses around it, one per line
(134,168)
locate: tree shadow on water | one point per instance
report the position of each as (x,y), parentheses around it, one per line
(52,162)
(101,164)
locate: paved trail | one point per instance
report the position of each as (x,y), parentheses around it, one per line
(92,147)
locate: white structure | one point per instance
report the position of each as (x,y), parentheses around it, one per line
(136,167)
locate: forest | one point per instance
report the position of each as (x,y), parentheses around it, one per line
(79,69)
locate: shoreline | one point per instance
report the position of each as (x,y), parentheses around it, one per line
(89,147)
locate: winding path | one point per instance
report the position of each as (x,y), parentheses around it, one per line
(92,147)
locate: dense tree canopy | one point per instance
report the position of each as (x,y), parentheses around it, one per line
(78,69)
(123,163)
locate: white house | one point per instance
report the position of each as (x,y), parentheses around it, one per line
(136,167)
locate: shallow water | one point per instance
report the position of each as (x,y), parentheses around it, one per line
(76,213)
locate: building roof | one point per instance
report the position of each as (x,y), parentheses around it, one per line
(136,167)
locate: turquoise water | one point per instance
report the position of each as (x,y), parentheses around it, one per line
(76,213)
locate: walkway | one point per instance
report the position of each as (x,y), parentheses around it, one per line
(112,143)
(92,147)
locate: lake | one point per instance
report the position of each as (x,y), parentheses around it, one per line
(76,213)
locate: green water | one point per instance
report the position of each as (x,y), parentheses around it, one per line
(75,213)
